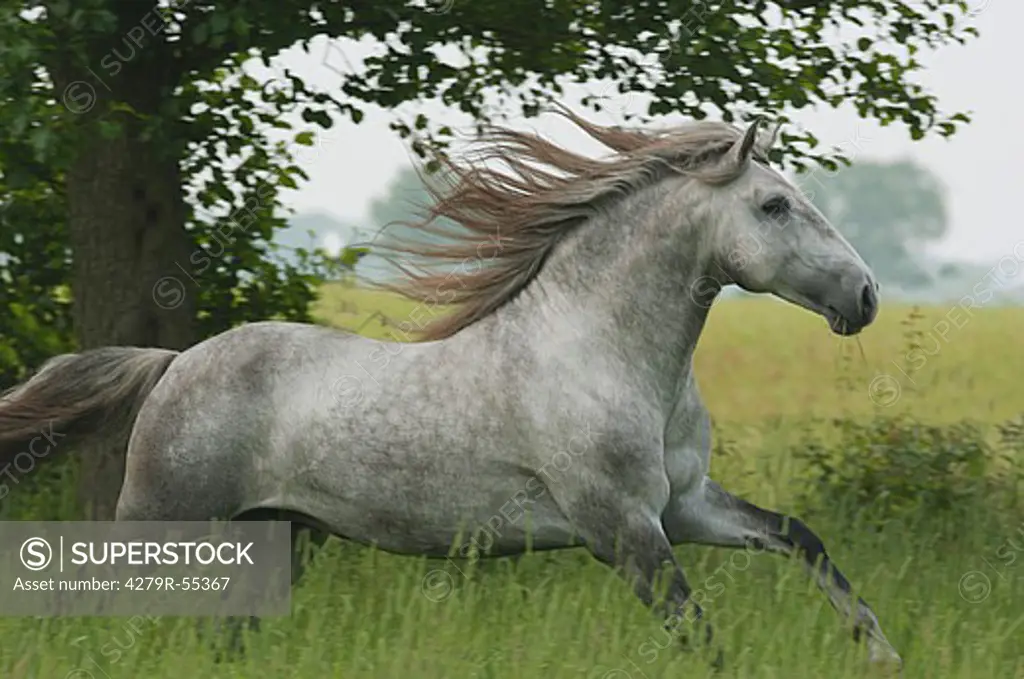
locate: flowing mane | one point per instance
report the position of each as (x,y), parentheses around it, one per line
(511,221)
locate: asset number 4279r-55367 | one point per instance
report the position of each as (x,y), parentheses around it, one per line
(195,583)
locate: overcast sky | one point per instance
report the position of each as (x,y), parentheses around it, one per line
(980,165)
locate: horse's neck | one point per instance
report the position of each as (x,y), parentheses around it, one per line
(620,286)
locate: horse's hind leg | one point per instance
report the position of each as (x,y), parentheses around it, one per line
(306,539)
(143,501)
(711,516)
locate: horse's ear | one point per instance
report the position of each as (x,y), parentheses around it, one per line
(742,150)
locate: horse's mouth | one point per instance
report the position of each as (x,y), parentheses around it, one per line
(839,324)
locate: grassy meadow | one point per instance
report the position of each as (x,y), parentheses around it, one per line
(949,589)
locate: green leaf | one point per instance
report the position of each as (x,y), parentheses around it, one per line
(351,256)
(110,129)
(241,26)
(319,117)
(286,180)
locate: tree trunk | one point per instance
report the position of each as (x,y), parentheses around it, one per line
(127,217)
(127,214)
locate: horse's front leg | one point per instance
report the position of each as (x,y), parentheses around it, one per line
(625,533)
(711,516)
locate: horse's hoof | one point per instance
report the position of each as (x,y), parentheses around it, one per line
(884,658)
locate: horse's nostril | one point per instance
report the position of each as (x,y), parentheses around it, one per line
(868,300)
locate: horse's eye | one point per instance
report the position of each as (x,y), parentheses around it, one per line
(777,207)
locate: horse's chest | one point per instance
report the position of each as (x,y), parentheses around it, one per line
(688,445)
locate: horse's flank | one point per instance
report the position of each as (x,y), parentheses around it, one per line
(511,221)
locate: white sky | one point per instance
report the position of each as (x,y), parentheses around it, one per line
(980,165)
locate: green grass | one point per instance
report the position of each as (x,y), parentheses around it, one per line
(366,616)
(768,372)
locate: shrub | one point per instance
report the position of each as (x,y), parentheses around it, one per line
(894,468)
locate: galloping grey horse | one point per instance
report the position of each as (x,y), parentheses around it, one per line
(583,287)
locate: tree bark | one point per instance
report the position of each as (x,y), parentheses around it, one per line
(126,222)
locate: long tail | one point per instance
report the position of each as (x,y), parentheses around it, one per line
(92,395)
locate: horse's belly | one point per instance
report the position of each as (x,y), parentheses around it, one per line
(452,519)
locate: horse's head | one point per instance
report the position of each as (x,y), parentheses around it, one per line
(768,237)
